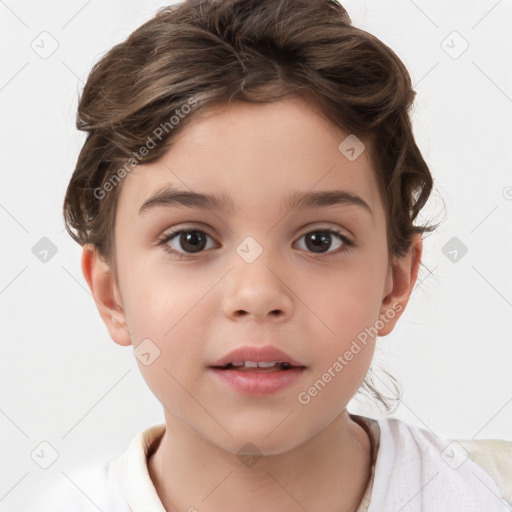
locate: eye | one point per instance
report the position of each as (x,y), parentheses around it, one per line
(193,241)
(318,240)
(190,240)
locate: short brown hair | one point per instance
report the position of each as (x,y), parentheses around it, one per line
(201,53)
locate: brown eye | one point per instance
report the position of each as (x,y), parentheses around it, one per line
(192,241)
(319,241)
(189,241)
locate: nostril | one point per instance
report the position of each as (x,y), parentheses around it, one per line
(274,312)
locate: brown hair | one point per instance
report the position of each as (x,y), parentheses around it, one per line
(201,53)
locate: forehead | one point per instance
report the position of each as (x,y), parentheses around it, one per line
(256,156)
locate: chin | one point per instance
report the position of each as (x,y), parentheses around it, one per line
(270,439)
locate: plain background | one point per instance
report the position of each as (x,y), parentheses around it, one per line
(66,383)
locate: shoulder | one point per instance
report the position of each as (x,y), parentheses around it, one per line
(88,489)
(112,486)
(495,457)
(417,468)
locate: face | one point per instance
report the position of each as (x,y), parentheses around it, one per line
(306,279)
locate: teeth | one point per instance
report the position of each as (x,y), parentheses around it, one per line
(260,364)
(263,364)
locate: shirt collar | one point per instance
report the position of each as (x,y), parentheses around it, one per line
(137,485)
(140,491)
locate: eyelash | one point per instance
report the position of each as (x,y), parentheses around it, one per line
(348,245)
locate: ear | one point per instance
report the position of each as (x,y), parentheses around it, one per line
(399,285)
(101,281)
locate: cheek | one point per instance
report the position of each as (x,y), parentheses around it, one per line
(167,320)
(344,345)
(158,297)
(170,333)
(344,301)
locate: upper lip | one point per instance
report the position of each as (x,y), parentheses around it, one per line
(250,353)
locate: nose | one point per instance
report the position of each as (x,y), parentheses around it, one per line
(258,291)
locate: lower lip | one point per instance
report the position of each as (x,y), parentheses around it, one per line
(259,383)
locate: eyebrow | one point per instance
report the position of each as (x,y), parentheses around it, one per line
(173,197)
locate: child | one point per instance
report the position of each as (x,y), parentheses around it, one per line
(278,135)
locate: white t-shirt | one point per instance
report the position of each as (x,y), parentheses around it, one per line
(413,470)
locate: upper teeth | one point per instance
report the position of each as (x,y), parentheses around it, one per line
(254,364)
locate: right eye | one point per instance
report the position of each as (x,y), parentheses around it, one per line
(192,241)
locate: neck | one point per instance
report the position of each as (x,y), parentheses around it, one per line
(327,473)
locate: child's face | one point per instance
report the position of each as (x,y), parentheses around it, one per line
(198,308)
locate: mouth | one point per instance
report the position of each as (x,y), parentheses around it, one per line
(258,379)
(258,367)
(257,371)
(250,358)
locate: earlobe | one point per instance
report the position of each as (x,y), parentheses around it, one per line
(402,278)
(106,295)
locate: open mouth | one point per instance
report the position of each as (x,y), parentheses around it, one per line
(261,378)
(260,367)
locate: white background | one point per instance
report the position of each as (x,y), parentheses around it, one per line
(64,381)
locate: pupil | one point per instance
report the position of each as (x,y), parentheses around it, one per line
(319,241)
(191,238)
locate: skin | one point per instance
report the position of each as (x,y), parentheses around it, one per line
(197,309)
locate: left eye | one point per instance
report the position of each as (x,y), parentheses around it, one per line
(320,239)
